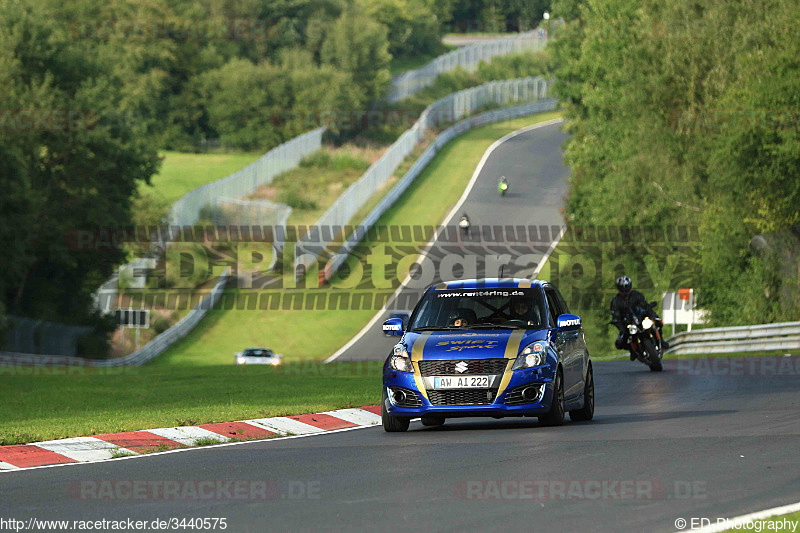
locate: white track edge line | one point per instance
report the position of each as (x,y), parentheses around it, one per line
(447,219)
(758,515)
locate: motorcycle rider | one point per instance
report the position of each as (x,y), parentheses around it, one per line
(502,185)
(621,304)
(464,224)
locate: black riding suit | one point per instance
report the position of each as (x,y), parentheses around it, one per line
(620,305)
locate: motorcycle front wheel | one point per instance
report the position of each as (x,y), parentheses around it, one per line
(651,351)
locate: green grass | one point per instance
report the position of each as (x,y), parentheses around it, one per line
(184,172)
(315,334)
(51,403)
(180,173)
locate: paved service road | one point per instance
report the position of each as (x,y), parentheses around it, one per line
(532,162)
(714,446)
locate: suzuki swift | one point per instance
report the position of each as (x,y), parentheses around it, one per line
(487,348)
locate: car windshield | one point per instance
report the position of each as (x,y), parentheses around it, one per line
(480,308)
(258,353)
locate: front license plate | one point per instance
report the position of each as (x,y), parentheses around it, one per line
(461,382)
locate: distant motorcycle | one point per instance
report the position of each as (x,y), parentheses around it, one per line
(645,338)
(464,225)
(502,186)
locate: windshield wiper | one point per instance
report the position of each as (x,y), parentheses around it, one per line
(491,326)
(434,328)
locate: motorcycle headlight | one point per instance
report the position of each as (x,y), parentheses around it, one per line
(400,359)
(647,323)
(632,329)
(534,354)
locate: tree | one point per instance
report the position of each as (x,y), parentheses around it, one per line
(358,45)
(74,148)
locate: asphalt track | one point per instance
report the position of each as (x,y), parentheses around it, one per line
(695,446)
(533,164)
(717,444)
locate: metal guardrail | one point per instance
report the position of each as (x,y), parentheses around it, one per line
(467,57)
(445,111)
(148,352)
(762,337)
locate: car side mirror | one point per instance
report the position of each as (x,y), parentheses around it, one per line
(567,321)
(393,327)
(653,304)
(403,315)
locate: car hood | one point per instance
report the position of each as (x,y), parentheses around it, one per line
(482,344)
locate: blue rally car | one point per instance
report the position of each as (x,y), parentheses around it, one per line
(492,348)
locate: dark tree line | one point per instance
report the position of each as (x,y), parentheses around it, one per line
(684,113)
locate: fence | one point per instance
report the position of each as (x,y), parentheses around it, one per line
(467,57)
(150,351)
(189,208)
(209,199)
(764,337)
(445,111)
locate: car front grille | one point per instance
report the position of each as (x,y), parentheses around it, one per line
(462,397)
(474,366)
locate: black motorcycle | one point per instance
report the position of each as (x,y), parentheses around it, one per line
(645,338)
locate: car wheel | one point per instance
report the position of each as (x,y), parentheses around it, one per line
(556,415)
(392,424)
(432,421)
(652,355)
(587,411)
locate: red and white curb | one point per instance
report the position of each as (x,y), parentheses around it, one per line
(131,443)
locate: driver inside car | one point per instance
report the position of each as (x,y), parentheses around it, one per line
(462,317)
(521,310)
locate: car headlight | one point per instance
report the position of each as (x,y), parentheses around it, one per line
(400,359)
(534,354)
(240,360)
(633,329)
(647,323)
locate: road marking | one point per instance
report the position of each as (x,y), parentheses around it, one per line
(238,430)
(28,455)
(285,426)
(758,515)
(323,421)
(188,435)
(356,416)
(447,220)
(83,449)
(138,441)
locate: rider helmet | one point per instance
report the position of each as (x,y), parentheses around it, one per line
(624,284)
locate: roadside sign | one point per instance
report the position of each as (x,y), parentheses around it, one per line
(679,308)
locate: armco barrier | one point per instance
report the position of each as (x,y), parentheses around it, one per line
(147,353)
(763,337)
(444,111)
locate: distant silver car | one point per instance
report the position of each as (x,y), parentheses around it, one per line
(258,356)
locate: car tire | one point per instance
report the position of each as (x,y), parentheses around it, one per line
(652,355)
(392,424)
(555,417)
(432,421)
(586,412)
